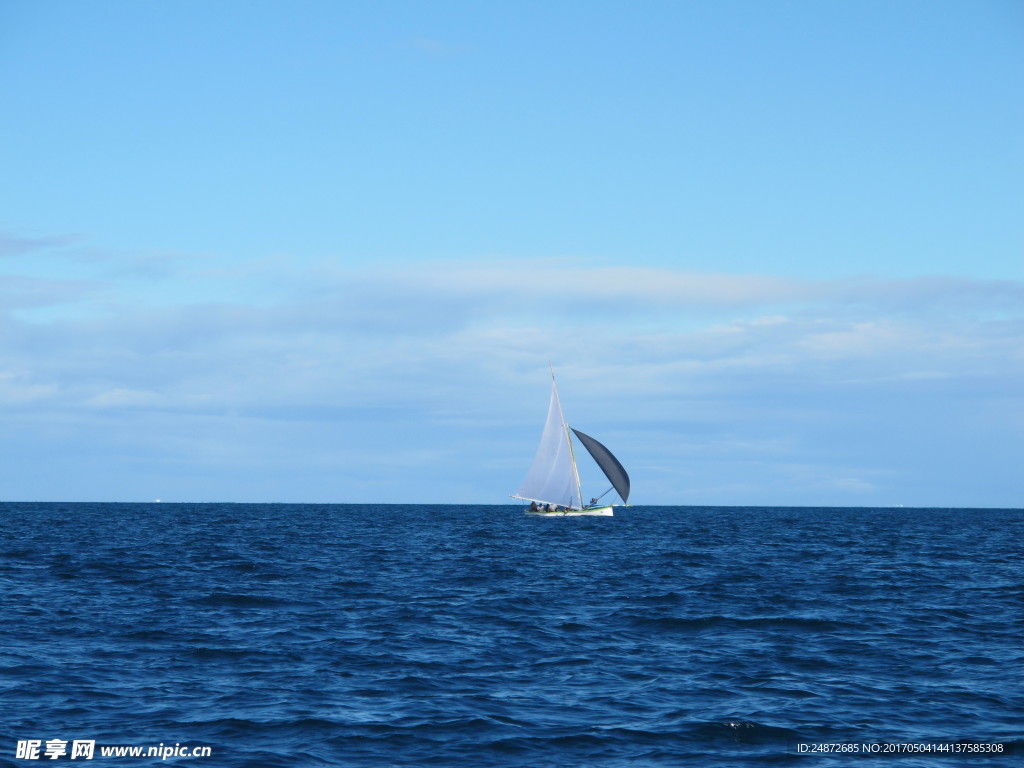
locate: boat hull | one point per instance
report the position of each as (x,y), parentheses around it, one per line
(590,512)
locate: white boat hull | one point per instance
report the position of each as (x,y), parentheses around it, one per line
(590,512)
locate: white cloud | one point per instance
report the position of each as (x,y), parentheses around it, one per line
(18,390)
(344,331)
(122,397)
(444,364)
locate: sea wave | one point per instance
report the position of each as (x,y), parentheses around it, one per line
(410,635)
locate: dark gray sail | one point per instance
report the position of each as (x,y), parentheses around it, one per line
(609,464)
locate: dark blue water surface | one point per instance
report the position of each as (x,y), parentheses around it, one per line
(347,635)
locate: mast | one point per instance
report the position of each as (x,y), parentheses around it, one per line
(568,437)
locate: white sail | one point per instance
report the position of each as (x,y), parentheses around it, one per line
(552,478)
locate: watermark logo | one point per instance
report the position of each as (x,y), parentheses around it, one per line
(85,749)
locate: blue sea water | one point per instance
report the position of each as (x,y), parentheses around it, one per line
(354,635)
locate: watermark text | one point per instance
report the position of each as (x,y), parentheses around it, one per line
(86,749)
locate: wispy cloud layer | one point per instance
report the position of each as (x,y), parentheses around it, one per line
(719,388)
(16,245)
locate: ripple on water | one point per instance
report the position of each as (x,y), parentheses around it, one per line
(391,635)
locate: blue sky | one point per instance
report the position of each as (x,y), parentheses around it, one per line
(323,251)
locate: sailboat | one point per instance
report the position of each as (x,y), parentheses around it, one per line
(552,486)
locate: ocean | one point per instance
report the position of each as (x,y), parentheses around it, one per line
(479,637)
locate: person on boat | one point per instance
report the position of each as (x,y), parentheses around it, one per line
(593,502)
(533,506)
(552,507)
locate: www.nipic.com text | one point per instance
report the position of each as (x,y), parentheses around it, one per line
(85,749)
